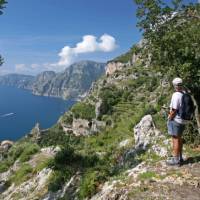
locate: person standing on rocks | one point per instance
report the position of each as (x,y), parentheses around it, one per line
(176,124)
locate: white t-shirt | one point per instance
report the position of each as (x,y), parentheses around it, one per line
(175,104)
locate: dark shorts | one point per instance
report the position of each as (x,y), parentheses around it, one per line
(174,128)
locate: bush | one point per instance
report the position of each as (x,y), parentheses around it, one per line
(4,166)
(67,118)
(57,179)
(22,150)
(22,174)
(191,135)
(55,137)
(90,182)
(83,111)
(110,96)
(28,151)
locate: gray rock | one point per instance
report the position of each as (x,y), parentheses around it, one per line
(144,132)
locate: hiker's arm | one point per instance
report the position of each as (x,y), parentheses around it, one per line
(172,114)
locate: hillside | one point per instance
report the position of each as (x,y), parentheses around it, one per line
(119,159)
(72,83)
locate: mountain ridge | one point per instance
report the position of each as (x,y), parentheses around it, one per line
(73,82)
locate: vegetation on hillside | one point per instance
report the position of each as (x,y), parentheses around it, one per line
(171,32)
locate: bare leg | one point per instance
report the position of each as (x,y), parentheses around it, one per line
(181,148)
(176,146)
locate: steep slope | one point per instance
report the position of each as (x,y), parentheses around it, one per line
(112,145)
(115,161)
(73,82)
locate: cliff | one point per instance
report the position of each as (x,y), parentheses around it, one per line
(72,83)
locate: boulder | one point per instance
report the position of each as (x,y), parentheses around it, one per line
(145,132)
(5,145)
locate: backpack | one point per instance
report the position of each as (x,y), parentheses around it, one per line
(187,108)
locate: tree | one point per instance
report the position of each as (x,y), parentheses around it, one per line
(172,41)
(2,5)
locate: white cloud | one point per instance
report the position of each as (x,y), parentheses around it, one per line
(32,69)
(198,1)
(68,55)
(89,44)
(35,66)
(20,67)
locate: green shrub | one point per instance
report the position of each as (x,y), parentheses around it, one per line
(84,111)
(57,179)
(22,150)
(23,174)
(110,96)
(57,137)
(67,118)
(150,110)
(90,182)
(191,135)
(147,175)
(28,151)
(153,84)
(43,164)
(4,165)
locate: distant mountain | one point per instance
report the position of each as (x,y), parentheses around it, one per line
(73,82)
(17,80)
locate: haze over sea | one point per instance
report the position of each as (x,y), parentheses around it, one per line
(20,111)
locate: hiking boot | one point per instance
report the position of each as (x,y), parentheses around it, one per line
(173,161)
(181,161)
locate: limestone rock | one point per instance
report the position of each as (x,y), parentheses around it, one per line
(31,189)
(5,145)
(144,132)
(112,67)
(81,127)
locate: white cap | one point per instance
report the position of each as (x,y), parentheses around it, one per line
(177,81)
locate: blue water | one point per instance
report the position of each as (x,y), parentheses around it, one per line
(20,111)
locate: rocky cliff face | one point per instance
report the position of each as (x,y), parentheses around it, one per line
(74,82)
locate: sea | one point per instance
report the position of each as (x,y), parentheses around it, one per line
(20,111)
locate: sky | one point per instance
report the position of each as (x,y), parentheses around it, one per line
(39,35)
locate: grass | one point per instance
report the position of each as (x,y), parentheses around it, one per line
(147,175)
(28,151)
(23,174)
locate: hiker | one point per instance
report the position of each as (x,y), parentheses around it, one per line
(176,124)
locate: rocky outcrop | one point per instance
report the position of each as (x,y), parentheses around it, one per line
(144,132)
(112,67)
(70,189)
(6,145)
(146,135)
(35,187)
(147,180)
(83,127)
